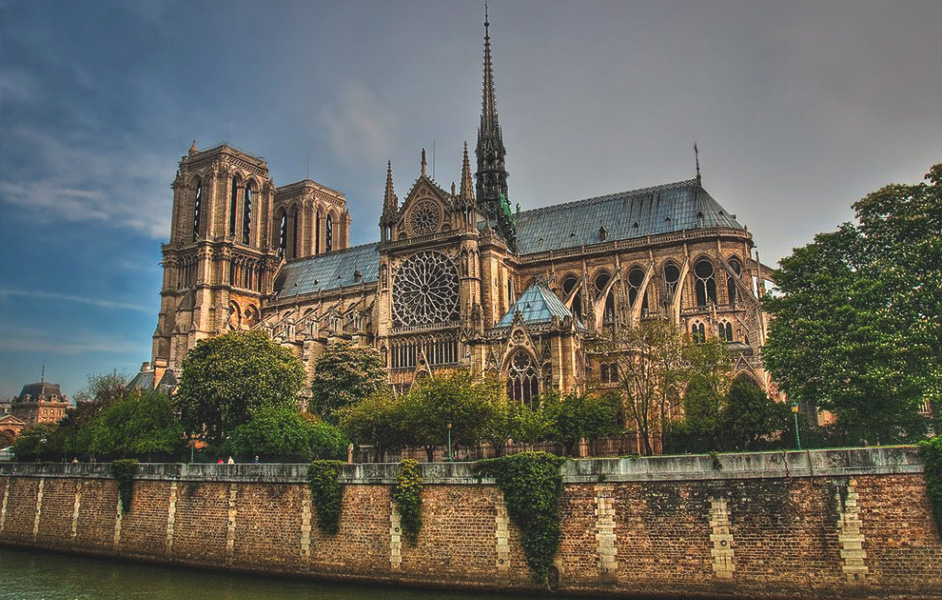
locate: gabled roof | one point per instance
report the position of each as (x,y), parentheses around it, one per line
(536,305)
(329,271)
(679,206)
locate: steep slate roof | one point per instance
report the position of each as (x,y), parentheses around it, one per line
(329,271)
(625,215)
(679,206)
(536,305)
(35,390)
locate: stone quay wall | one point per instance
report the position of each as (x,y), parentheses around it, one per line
(828,523)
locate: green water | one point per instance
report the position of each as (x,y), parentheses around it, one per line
(38,575)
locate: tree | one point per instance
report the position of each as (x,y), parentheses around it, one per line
(857,329)
(458,399)
(140,425)
(707,382)
(376,421)
(284,433)
(651,373)
(750,415)
(344,375)
(513,421)
(576,416)
(42,442)
(6,438)
(227,378)
(104,389)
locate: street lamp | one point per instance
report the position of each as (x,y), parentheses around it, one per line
(449,442)
(797,434)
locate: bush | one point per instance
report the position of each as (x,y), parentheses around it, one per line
(408,498)
(932,453)
(124,471)
(326,493)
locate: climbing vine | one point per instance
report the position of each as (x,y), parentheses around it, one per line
(932,453)
(408,498)
(123,471)
(326,493)
(531,484)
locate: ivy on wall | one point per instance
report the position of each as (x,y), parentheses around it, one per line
(408,498)
(123,471)
(326,493)
(531,484)
(932,453)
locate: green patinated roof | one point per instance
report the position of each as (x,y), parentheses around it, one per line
(536,305)
(673,207)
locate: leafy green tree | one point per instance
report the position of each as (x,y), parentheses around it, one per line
(282,433)
(6,438)
(42,442)
(513,421)
(377,421)
(700,429)
(344,375)
(572,417)
(651,374)
(141,424)
(459,399)
(857,329)
(227,378)
(750,415)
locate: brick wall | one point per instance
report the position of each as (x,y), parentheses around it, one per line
(802,525)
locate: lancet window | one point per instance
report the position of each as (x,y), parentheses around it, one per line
(522,381)
(197,209)
(705,282)
(635,281)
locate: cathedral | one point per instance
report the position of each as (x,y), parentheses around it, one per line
(458,279)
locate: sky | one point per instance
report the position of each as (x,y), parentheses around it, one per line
(799,109)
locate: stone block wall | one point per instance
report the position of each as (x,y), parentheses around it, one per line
(800,525)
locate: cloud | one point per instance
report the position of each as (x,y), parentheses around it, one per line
(16,339)
(78,181)
(362,129)
(78,299)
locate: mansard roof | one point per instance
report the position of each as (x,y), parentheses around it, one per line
(44,389)
(329,271)
(679,206)
(538,304)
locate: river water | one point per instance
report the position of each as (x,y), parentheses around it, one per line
(40,575)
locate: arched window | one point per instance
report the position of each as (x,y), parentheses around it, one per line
(601,280)
(698,333)
(317,233)
(725,331)
(197,209)
(613,373)
(603,373)
(635,281)
(569,283)
(731,291)
(671,277)
(233,205)
(522,382)
(283,234)
(328,234)
(247,216)
(706,283)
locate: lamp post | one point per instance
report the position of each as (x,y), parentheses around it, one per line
(449,442)
(797,434)
(192,449)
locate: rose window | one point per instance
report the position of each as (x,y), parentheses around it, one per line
(425,290)
(425,217)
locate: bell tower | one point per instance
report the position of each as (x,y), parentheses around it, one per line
(221,259)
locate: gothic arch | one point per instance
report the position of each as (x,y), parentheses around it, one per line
(522,372)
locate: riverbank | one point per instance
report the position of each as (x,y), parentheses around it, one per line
(826,523)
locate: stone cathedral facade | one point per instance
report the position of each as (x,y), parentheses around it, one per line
(458,279)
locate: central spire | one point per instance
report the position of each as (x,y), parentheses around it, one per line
(492,173)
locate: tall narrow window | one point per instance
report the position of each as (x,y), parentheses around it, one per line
(328,235)
(283,234)
(671,277)
(197,210)
(731,291)
(522,382)
(706,283)
(247,216)
(568,285)
(635,281)
(317,233)
(698,333)
(294,234)
(233,206)
(725,331)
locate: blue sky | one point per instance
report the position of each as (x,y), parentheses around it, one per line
(799,109)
